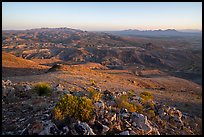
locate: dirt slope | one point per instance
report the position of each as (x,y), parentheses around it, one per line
(16,66)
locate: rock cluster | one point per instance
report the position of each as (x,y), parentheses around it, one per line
(108,119)
(7,88)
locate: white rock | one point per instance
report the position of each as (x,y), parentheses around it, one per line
(147,127)
(66,129)
(179,113)
(99,105)
(27,88)
(89,129)
(125,115)
(130,129)
(59,88)
(134,124)
(127,123)
(48,125)
(42,128)
(156,131)
(168,109)
(125,133)
(105,129)
(7,83)
(142,122)
(132,132)
(66,91)
(113,118)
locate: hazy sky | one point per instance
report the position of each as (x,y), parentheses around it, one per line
(102,15)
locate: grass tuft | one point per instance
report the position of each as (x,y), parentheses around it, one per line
(42,89)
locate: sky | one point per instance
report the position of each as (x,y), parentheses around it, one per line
(102,16)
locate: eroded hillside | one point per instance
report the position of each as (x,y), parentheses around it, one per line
(72,82)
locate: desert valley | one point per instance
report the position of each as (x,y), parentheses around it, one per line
(101,68)
(132,82)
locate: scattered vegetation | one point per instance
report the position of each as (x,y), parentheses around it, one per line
(92,82)
(94,94)
(131,93)
(139,108)
(146,96)
(149,105)
(80,108)
(151,113)
(42,89)
(123,102)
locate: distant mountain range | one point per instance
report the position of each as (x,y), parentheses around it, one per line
(191,30)
(128,32)
(168,32)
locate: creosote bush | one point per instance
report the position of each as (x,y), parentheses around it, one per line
(129,106)
(80,108)
(94,94)
(123,102)
(150,105)
(92,82)
(146,96)
(151,113)
(131,93)
(42,89)
(139,108)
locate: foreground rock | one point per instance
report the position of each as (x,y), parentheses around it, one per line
(29,114)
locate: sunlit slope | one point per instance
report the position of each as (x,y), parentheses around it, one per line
(11,61)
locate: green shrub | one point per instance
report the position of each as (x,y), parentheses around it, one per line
(92,82)
(42,89)
(80,108)
(149,105)
(129,106)
(139,108)
(94,94)
(124,97)
(146,96)
(151,113)
(131,93)
(123,102)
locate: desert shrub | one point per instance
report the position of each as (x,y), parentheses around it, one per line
(131,93)
(80,108)
(122,102)
(151,113)
(124,97)
(149,105)
(129,106)
(85,108)
(42,88)
(92,82)
(58,113)
(94,94)
(146,96)
(139,108)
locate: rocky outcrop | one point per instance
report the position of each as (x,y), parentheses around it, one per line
(34,116)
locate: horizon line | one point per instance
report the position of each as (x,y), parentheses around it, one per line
(102,30)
